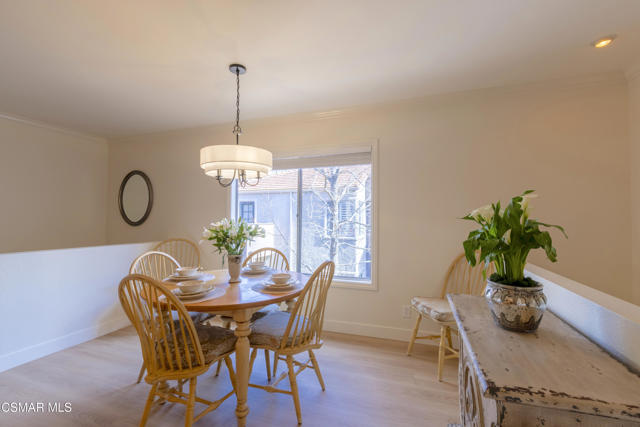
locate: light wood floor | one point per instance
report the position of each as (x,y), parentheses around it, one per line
(370,382)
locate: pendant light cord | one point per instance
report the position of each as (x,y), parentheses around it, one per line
(237,129)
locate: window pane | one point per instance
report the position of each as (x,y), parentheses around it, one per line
(336,219)
(273,204)
(247,211)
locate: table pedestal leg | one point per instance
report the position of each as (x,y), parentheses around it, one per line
(242,331)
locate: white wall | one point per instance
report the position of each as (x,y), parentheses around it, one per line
(440,157)
(53,187)
(634,139)
(55,299)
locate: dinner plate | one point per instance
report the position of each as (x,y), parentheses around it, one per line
(261,287)
(249,271)
(271,284)
(186,294)
(279,288)
(180,276)
(200,276)
(177,292)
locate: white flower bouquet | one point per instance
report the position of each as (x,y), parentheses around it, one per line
(231,236)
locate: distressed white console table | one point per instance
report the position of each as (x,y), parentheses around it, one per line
(553,377)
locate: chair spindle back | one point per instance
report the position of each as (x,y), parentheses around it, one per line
(168,337)
(307,316)
(461,278)
(184,251)
(271,256)
(154,264)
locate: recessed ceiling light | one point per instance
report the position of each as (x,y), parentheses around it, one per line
(604,41)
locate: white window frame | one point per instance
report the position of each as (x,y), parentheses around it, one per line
(328,150)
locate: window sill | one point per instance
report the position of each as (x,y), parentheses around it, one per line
(354,284)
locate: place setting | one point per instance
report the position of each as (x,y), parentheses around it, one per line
(279,282)
(255,268)
(189,273)
(193,285)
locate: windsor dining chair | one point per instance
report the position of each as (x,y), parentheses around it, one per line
(173,347)
(289,334)
(461,278)
(182,250)
(158,266)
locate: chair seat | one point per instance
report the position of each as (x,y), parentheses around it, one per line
(436,308)
(198,317)
(214,340)
(260,314)
(268,331)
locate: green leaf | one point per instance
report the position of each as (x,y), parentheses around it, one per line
(488,242)
(470,247)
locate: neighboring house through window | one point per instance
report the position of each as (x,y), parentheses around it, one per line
(319,209)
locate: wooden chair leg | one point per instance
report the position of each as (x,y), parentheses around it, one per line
(141,374)
(254,353)
(294,387)
(449,340)
(443,333)
(191,402)
(276,358)
(232,373)
(147,406)
(218,368)
(414,334)
(267,361)
(316,367)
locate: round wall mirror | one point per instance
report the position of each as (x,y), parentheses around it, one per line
(135,198)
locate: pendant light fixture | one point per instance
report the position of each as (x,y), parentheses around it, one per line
(242,162)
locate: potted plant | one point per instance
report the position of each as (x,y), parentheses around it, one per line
(505,238)
(230,237)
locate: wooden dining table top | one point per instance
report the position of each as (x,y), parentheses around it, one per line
(242,295)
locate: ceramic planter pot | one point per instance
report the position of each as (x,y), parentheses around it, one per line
(515,308)
(235,264)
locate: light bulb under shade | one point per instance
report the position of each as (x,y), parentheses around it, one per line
(230,158)
(604,42)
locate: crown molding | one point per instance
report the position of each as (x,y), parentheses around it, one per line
(517,89)
(48,126)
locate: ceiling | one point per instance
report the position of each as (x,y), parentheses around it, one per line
(117,67)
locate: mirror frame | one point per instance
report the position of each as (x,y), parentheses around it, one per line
(149,203)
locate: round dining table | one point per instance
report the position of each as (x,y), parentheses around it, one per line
(240,301)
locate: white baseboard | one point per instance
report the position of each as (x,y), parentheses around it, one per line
(27,354)
(378,331)
(33,352)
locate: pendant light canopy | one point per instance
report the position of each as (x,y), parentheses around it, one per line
(242,162)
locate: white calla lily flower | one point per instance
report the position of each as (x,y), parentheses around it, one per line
(485,212)
(526,202)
